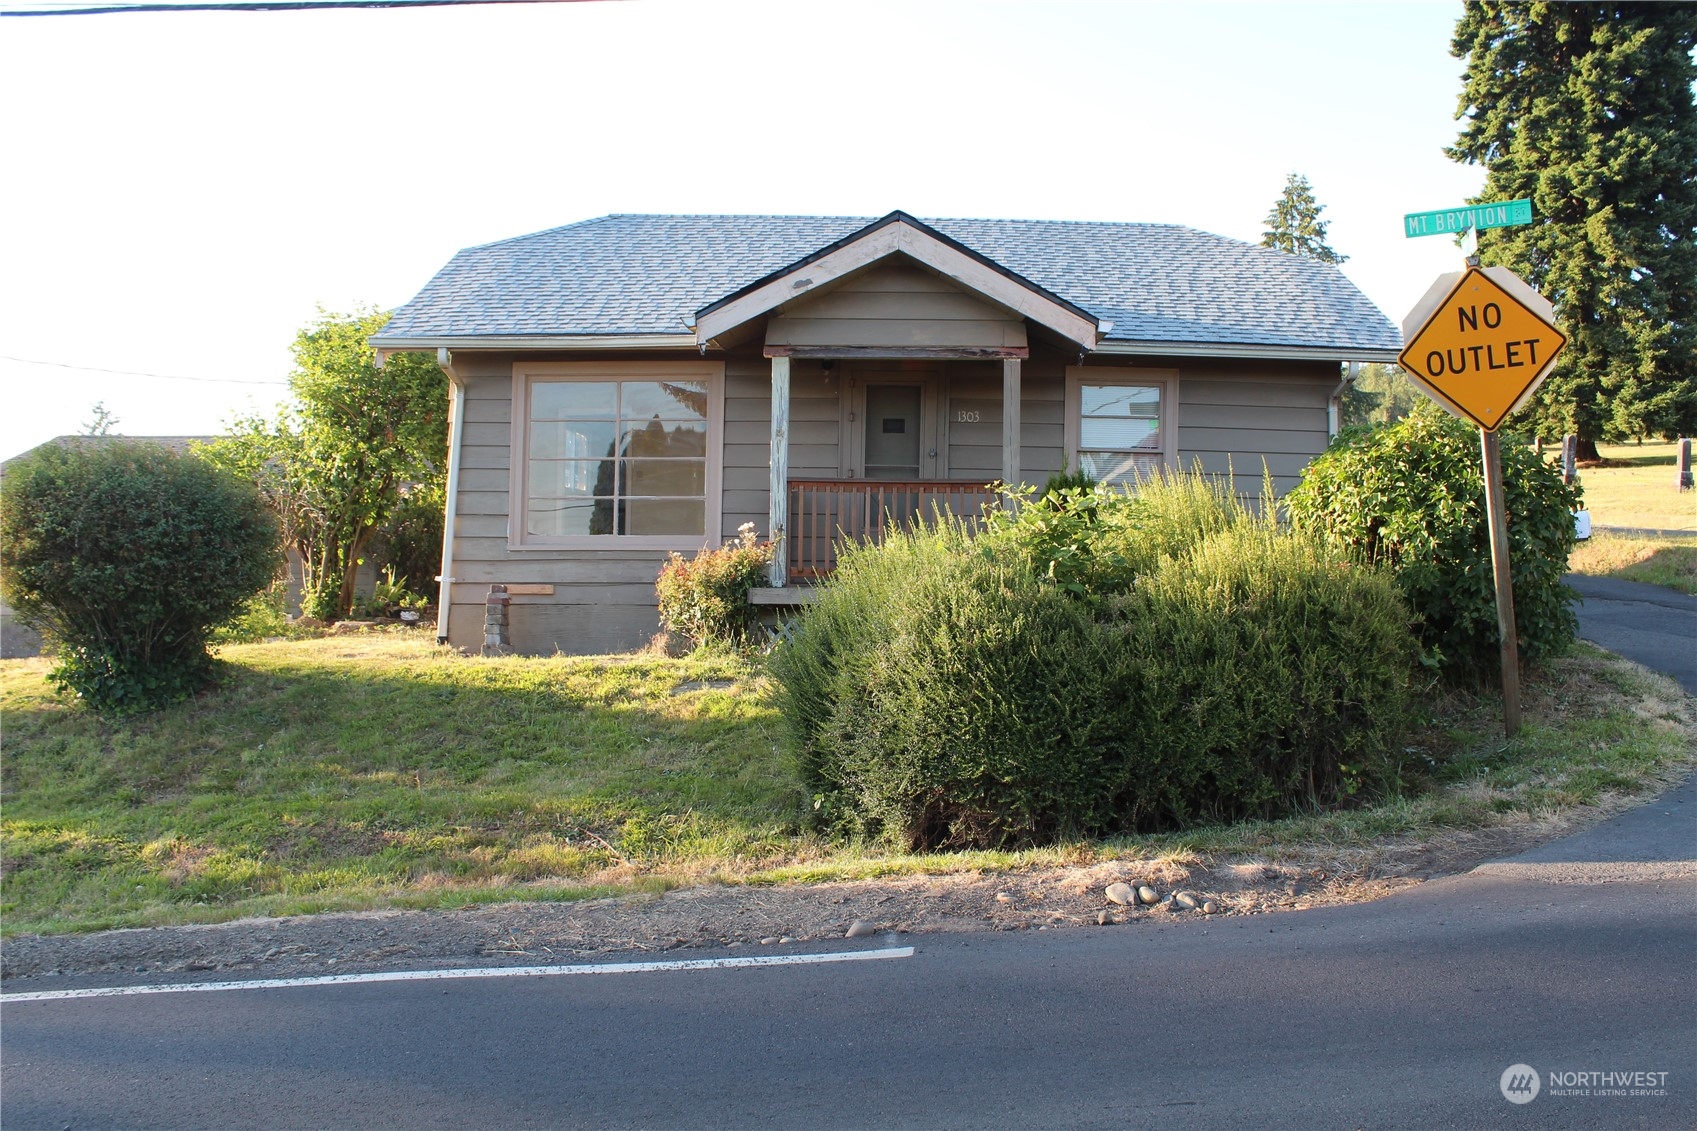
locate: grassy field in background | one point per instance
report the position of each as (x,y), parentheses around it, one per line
(1641,494)
(380,771)
(1669,562)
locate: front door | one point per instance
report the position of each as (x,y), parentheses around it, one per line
(894,417)
(896,427)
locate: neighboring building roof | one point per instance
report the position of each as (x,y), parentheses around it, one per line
(178,444)
(1156,283)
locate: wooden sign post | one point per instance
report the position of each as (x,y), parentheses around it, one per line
(1479,343)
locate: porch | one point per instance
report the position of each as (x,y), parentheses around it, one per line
(823,513)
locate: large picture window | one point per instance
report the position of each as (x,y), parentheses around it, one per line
(1118,422)
(616,451)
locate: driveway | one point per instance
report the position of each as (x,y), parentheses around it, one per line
(1650,625)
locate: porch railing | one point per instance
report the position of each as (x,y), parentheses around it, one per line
(825,512)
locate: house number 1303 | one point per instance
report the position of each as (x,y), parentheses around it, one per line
(966,416)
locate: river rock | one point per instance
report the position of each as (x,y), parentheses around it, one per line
(1186,900)
(1119,893)
(1147,894)
(860,929)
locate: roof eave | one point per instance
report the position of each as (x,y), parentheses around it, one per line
(1240,350)
(402,342)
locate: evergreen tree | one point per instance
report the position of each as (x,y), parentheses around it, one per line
(1294,224)
(1587,109)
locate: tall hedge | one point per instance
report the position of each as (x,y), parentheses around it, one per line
(951,691)
(127,556)
(1410,496)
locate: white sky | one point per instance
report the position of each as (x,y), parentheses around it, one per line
(182,189)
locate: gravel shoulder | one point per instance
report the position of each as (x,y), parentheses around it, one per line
(767,917)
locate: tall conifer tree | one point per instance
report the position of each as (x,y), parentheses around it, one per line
(1294,224)
(1587,109)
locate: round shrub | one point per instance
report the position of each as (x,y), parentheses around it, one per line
(1260,675)
(940,697)
(1411,496)
(127,556)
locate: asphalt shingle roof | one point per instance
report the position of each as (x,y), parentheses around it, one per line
(645,274)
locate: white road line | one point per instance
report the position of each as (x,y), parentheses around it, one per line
(470,972)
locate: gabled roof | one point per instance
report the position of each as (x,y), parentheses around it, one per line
(1163,287)
(899,235)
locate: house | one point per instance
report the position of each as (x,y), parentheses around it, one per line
(633,385)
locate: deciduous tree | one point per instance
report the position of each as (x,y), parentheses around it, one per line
(334,464)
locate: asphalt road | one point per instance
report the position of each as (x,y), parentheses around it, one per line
(1578,957)
(1656,627)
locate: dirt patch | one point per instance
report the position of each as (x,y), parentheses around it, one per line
(770,916)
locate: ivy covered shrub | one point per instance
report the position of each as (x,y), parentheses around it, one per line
(127,556)
(947,690)
(1411,497)
(705,598)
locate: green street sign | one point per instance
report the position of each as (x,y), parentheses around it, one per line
(1449,221)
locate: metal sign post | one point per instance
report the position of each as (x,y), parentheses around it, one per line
(1480,343)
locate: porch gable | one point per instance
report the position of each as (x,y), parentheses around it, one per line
(899,234)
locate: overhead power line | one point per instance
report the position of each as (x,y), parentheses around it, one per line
(137,373)
(256,6)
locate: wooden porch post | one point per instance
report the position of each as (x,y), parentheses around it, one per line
(780,502)
(1010,421)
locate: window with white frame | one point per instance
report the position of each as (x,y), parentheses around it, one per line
(1118,425)
(624,451)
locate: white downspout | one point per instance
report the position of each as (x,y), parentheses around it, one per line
(1334,404)
(456,415)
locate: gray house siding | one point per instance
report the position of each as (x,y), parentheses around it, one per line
(1231,415)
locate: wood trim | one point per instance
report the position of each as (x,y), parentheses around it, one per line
(929,353)
(1167,380)
(525,372)
(880,243)
(779,503)
(1010,422)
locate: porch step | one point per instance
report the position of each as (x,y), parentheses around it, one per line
(787,597)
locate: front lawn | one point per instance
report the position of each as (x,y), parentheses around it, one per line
(380,771)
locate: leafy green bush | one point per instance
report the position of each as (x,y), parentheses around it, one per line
(127,556)
(409,544)
(947,690)
(705,599)
(1411,496)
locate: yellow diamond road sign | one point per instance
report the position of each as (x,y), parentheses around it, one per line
(1480,342)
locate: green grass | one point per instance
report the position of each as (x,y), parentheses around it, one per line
(352,772)
(1640,494)
(380,771)
(1669,562)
